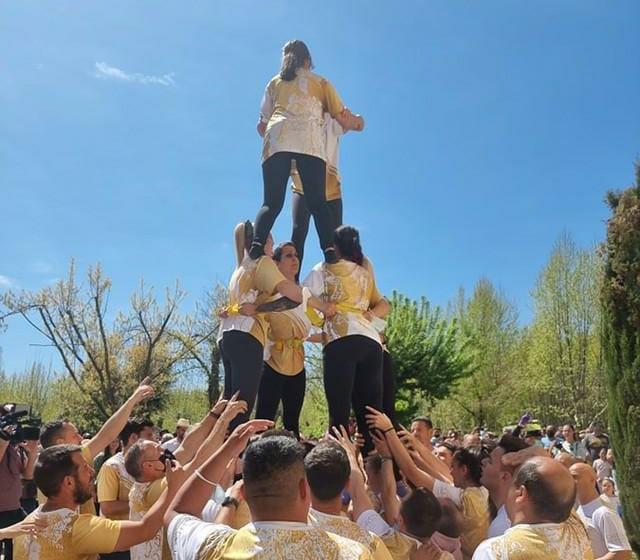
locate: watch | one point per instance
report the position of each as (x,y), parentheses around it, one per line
(230,501)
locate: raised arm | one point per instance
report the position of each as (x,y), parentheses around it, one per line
(112,427)
(196,491)
(380,421)
(428,461)
(390,500)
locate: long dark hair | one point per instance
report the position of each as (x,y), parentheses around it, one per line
(294,54)
(347,241)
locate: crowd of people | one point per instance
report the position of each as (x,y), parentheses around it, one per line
(230,486)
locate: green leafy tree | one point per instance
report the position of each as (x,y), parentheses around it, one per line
(621,343)
(565,361)
(429,351)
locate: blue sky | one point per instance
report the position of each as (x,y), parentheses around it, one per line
(127,136)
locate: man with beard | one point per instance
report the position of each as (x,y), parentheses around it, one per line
(65,477)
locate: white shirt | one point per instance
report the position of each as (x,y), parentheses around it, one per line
(605,528)
(171,445)
(500,524)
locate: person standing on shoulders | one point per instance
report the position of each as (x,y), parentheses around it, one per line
(292,125)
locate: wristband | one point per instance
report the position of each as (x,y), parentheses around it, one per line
(388,430)
(201,477)
(384,458)
(230,501)
(216,416)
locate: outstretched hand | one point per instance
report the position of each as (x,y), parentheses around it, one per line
(240,436)
(233,407)
(143,391)
(342,436)
(378,420)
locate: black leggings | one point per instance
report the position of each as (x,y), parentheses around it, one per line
(353,370)
(242,356)
(275,387)
(301,215)
(388,387)
(275,173)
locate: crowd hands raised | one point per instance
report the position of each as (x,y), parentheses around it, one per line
(257,492)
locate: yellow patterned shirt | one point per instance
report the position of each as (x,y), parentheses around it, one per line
(343,526)
(252,282)
(69,536)
(191,538)
(333,131)
(294,114)
(543,541)
(142,496)
(353,289)
(287,333)
(114,483)
(474,503)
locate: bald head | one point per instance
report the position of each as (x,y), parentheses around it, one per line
(585,478)
(545,490)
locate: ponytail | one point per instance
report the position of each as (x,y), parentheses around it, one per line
(294,55)
(347,241)
(242,236)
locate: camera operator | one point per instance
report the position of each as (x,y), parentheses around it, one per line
(17,461)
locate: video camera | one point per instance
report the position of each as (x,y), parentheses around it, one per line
(17,423)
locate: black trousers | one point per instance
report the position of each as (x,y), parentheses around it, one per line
(123,555)
(8,518)
(353,371)
(300,215)
(242,356)
(275,174)
(276,387)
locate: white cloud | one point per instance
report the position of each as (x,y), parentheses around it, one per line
(106,72)
(6,282)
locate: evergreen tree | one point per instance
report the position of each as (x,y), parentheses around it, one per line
(621,343)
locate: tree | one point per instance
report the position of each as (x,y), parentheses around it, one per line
(565,359)
(621,344)
(429,351)
(198,336)
(105,360)
(489,321)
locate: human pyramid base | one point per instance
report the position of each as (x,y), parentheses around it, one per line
(235,487)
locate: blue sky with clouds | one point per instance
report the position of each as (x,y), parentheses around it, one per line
(127,136)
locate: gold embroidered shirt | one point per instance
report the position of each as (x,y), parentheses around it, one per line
(69,536)
(343,526)
(294,114)
(142,496)
(543,541)
(193,539)
(254,281)
(353,289)
(114,482)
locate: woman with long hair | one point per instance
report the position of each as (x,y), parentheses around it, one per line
(292,125)
(243,328)
(283,374)
(353,349)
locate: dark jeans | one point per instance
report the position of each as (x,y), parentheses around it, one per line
(242,358)
(276,387)
(125,555)
(300,214)
(353,370)
(275,173)
(8,518)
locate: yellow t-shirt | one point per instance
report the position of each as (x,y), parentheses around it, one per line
(294,114)
(401,546)
(543,541)
(343,526)
(252,282)
(69,536)
(287,332)
(89,506)
(142,496)
(114,483)
(353,289)
(270,541)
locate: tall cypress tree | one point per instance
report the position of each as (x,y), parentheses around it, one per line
(621,344)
